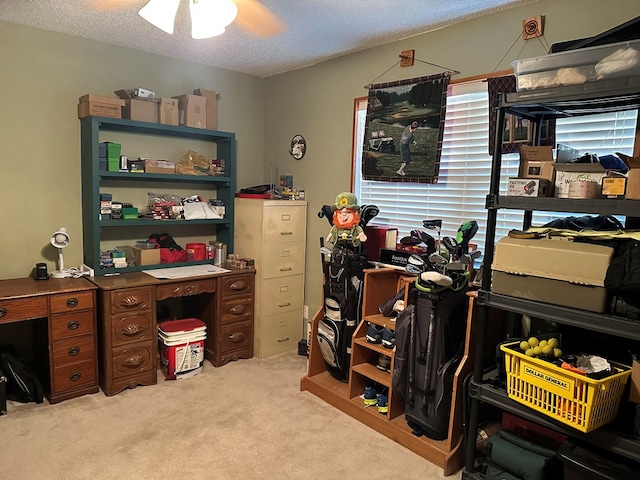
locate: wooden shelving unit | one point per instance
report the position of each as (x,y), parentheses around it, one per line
(379,285)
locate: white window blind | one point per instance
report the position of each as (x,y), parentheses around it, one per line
(465,168)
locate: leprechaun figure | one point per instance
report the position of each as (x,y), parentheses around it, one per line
(346,227)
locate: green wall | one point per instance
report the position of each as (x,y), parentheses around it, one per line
(44,73)
(317,102)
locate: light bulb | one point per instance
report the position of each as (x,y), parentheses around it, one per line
(210,17)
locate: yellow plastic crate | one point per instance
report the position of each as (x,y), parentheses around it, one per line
(576,400)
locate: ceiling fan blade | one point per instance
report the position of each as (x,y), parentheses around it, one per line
(257,19)
(114,5)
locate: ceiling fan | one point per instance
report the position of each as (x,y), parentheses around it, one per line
(251,15)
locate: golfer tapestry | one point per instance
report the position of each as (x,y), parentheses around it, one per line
(404,128)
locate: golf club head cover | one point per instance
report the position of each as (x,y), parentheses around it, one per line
(436,278)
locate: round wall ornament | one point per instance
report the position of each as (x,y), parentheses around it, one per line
(298,147)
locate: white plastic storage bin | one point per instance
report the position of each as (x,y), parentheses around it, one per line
(579,66)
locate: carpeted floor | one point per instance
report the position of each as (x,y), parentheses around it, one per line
(245,420)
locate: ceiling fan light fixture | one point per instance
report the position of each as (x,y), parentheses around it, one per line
(210,17)
(161,13)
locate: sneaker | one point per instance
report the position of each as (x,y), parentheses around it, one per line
(383,403)
(388,338)
(370,396)
(384,363)
(374,333)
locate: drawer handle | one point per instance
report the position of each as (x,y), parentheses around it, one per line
(72,302)
(284,304)
(73,325)
(285,269)
(239,285)
(3,311)
(285,339)
(75,376)
(131,329)
(286,233)
(237,337)
(131,301)
(73,351)
(238,309)
(134,361)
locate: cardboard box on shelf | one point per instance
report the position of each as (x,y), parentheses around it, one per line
(554,271)
(634,391)
(212,106)
(141,110)
(536,162)
(168,111)
(614,185)
(159,166)
(633,176)
(193,110)
(528,187)
(100,106)
(569,172)
(146,256)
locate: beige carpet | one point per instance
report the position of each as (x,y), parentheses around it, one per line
(245,420)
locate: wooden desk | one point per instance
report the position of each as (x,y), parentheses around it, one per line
(59,319)
(129,307)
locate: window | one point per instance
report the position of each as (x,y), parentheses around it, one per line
(465,167)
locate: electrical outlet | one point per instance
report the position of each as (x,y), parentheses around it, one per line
(305,312)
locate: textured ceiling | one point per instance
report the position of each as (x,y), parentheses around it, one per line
(315,30)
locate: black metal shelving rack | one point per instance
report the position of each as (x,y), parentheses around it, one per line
(537,106)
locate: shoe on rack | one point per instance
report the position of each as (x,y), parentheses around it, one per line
(383,403)
(370,396)
(388,306)
(384,363)
(388,338)
(374,333)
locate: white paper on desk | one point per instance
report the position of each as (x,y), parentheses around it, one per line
(183,272)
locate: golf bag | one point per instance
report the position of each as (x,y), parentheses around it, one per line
(343,286)
(429,345)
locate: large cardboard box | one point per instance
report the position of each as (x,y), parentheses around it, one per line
(141,110)
(212,106)
(536,162)
(100,106)
(168,111)
(193,110)
(556,271)
(571,172)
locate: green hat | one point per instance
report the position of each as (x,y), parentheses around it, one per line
(346,200)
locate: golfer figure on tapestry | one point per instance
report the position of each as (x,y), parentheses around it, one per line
(406,140)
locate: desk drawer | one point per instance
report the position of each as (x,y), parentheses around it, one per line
(69,302)
(281,294)
(22,309)
(74,376)
(73,350)
(130,299)
(282,259)
(71,324)
(131,360)
(132,327)
(236,336)
(185,289)
(237,309)
(236,284)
